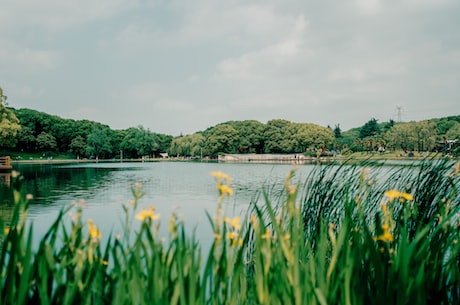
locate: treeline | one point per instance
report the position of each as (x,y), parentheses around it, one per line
(427,135)
(48,134)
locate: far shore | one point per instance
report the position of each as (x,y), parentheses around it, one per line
(245,158)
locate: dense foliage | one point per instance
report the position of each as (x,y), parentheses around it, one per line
(9,124)
(48,134)
(342,237)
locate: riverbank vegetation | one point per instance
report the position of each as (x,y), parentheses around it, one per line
(349,234)
(28,133)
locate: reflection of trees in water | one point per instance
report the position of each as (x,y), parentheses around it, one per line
(48,183)
(6,203)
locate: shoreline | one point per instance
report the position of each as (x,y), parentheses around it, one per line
(248,158)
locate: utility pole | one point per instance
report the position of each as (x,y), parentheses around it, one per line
(399,113)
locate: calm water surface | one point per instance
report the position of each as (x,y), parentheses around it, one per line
(182,187)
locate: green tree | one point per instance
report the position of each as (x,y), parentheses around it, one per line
(307,135)
(98,143)
(222,138)
(46,142)
(139,142)
(64,131)
(250,136)
(444,124)
(9,124)
(277,135)
(369,129)
(77,146)
(369,135)
(179,146)
(425,132)
(189,145)
(337,131)
(402,136)
(26,139)
(164,141)
(387,127)
(454,132)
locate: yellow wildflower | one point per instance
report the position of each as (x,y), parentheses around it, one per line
(172,223)
(267,235)
(93,230)
(6,231)
(253,219)
(384,208)
(234,238)
(220,176)
(386,235)
(234,223)
(224,189)
(292,189)
(232,235)
(147,214)
(393,194)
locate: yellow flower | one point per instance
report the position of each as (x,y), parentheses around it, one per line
(292,189)
(93,230)
(386,235)
(234,223)
(393,194)
(7,231)
(172,223)
(220,176)
(406,196)
(147,214)
(267,235)
(253,219)
(224,189)
(234,238)
(384,208)
(232,235)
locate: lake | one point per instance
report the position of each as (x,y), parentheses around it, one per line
(182,187)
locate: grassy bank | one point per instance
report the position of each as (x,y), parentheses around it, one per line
(351,234)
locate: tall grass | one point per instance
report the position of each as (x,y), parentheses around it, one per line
(350,234)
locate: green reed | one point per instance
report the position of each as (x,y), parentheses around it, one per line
(350,234)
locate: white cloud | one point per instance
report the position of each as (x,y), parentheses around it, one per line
(15,59)
(60,15)
(369,7)
(216,19)
(268,61)
(239,24)
(353,75)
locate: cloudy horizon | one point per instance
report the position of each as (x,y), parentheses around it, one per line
(178,67)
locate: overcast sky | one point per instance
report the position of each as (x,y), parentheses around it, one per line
(177,67)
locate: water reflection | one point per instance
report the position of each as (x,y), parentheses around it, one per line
(185,188)
(47,182)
